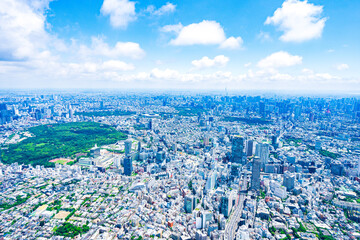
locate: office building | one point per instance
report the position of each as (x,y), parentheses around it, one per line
(128,145)
(255,177)
(289,181)
(128,167)
(237,149)
(262,151)
(250,148)
(189,202)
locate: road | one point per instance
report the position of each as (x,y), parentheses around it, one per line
(232,226)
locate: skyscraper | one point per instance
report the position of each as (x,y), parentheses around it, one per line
(150,124)
(189,203)
(262,151)
(128,167)
(255,177)
(210,182)
(237,149)
(128,145)
(250,148)
(289,181)
(227,202)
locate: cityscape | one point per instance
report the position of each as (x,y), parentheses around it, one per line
(179,166)
(179,120)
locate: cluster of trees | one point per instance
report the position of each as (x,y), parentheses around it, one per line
(59,140)
(56,205)
(70,230)
(19,200)
(193,111)
(329,154)
(105,113)
(246,120)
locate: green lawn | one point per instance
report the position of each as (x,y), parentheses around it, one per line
(59,140)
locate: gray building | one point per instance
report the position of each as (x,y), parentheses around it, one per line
(128,145)
(255,177)
(289,180)
(262,151)
(128,167)
(237,149)
(250,148)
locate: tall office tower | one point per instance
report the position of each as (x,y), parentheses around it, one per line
(227,202)
(250,148)
(128,145)
(289,181)
(255,177)
(237,149)
(210,182)
(274,141)
(139,146)
(128,167)
(262,151)
(150,124)
(189,203)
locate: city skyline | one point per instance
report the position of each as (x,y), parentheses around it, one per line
(297,46)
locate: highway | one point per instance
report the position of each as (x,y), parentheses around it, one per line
(232,226)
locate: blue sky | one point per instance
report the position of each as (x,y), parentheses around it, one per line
(241,45)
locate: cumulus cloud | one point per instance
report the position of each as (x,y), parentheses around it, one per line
(121,12)
(22,28)
(205,32)
(176,28)
(342,66)
(299,20)
(116,65)
(164,74)
(121,49)
(165,9)
(279,59)
(205,62)
(232,43)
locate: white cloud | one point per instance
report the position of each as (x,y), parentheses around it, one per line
(172,28)
(205,62)
(299,20)
(22,30)
(342,66)
(264,36)
(40,5)
(117,66)
(121,49)
(97,67)
(232,43)
(167,8)
(247,64)
(164,74)
(121,12)
(307,71)
(279,59)
(205,33)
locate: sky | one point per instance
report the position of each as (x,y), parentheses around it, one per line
(289,45)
